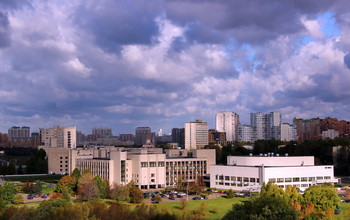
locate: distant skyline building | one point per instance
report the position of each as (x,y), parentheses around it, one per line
(273,125)
(19,134)
(102,132)
(258,121)
(330,134)
(196,134)
(216,137)
(126,137)
(227,122)
(245,133)
(142,134)
(178,136)
(288,132)
(60,137)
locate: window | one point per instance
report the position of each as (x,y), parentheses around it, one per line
(272,180)
(245,179)
(239,179)
(296,179)
(252,180)
(144,164)
(311,178)
(152,164)
(280,180)
(227,178)
(303,179)
(327,177)
(221,177)
(287,180)
(161,164)
(233,178)
(152,174)
(319,178)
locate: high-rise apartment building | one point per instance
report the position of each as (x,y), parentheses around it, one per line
(178,136)
(273,125)
(126,137)
(227,122)
(308,129)
(288,132)
(102,132)
(245,133)
(61,137)
(258,122)
(19,134)
(196,134)
(142,134)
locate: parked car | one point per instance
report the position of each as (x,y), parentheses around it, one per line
(172,198)
(203,197)
(44,197)
(196,198)
(179,196)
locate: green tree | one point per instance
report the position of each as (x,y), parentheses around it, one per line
(136,195)
(38,187)
(262,207)
(230,194)
(89,191)
(102,186)
(273,190)
(7,193)
(76,174)
(323,197)
(120,193)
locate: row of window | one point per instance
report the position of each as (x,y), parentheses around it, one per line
(298,179)
(153,164)
(237,178)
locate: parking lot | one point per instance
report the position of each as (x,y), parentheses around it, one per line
(165,197)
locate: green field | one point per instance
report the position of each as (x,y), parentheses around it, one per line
(345,214)
(47,178)
(216,208)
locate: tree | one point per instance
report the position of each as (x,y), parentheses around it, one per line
(76,174)
(7,193)
(120,193)
(271,189)
(102,186)
(18,199)
(262,207)
(157,198)
(38,187)
(66,182)
(136,195)
(324,199)
(28,188)
(89,191)
(230,194)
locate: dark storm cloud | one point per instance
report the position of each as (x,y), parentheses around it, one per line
(347,60)
(117,23)
(4,31)
(248,21)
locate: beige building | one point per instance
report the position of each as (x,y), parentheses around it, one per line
(196,134)
(148,168)
(59,137)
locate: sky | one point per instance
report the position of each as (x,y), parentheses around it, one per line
(161,63)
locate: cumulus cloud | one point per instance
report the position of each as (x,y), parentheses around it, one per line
(120,64)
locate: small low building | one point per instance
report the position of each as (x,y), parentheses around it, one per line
(250,172)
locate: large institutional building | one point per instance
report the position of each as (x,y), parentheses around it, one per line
(148,168)
(250,172)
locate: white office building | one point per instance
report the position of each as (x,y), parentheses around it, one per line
(196,134)
(250,172)
(227,122)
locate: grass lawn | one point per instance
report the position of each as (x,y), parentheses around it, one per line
(216,208)
(48,178)
(345,214)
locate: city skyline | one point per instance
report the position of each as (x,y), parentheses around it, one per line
(123,65)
